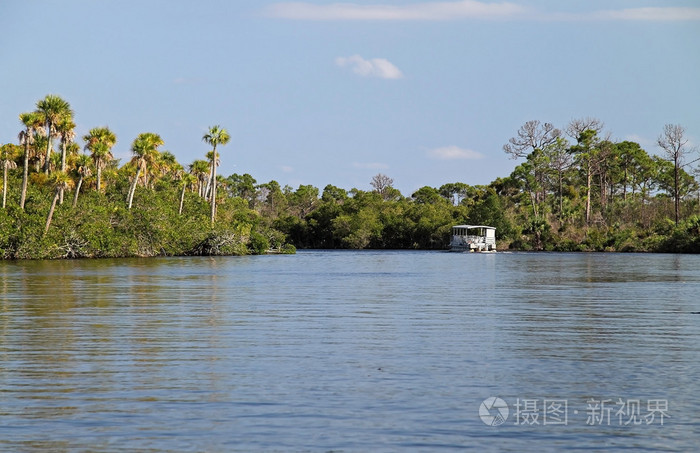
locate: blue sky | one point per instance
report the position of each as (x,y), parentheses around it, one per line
(328,92)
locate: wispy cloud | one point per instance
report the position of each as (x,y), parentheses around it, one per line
(375,67)
(287,169)
(453,153)
(661,14)
(466,9)
(416,11)
(370,165)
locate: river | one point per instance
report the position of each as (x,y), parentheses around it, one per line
(352,351)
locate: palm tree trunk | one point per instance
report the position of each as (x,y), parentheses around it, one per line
(207,191)
(50,216)
(47,162)
(25,173)
(99,176)
(77,191)
(213,187)
(63,168)
(133,187)
(182,198)
(4,185)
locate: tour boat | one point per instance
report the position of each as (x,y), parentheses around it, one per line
(473,238)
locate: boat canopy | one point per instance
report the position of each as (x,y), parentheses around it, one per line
(473,238)
(469,227)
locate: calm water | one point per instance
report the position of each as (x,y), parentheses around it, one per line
(351,351)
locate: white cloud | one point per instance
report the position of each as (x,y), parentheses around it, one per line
(664,14)
(287,169)
(453,153)
(466,9)
(370,165)
(376,67)
(416,11)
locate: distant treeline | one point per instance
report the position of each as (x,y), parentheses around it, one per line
(573,191)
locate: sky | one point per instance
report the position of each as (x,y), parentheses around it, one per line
(333,92)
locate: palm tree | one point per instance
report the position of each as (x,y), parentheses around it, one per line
(66,131)
(216,136)
(145,150)
(7,160)
(200,170)
(53,110)
(168,165)
(210,177)
(60,181)
(81,166)
(32,126)
(186,181)
(36,150)
(55,164)
(99,141)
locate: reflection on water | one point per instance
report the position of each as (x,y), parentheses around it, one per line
(348,351)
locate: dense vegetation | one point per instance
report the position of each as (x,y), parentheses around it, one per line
(72,204)
(581,193)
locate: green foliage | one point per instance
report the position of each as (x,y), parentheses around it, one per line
(684,238)
(258,243)
(101,225)
(594,195)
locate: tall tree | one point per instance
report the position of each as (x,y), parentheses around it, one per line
(8,154)
(454,192)
(66,131)
(60,181)
(53,110)
(200,170)
(383,185)
(81,166)
(560,161)
(168,165)
(530,175)
(629,153)
(585,152)
(186,180)
(99,141)
(32,127)
(242,186)
(213,163)
(531,136)
(674,144)
(585,131)
(216,136)
(145,151)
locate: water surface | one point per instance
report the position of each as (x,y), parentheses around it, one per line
(349,351)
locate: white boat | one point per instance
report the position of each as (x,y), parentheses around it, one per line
(473,238)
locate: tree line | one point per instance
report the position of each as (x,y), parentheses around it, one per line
(574,189)
(577,183)
(170,202)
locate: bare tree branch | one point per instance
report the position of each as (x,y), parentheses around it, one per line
(531,136)
(673,142)
(579,125)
